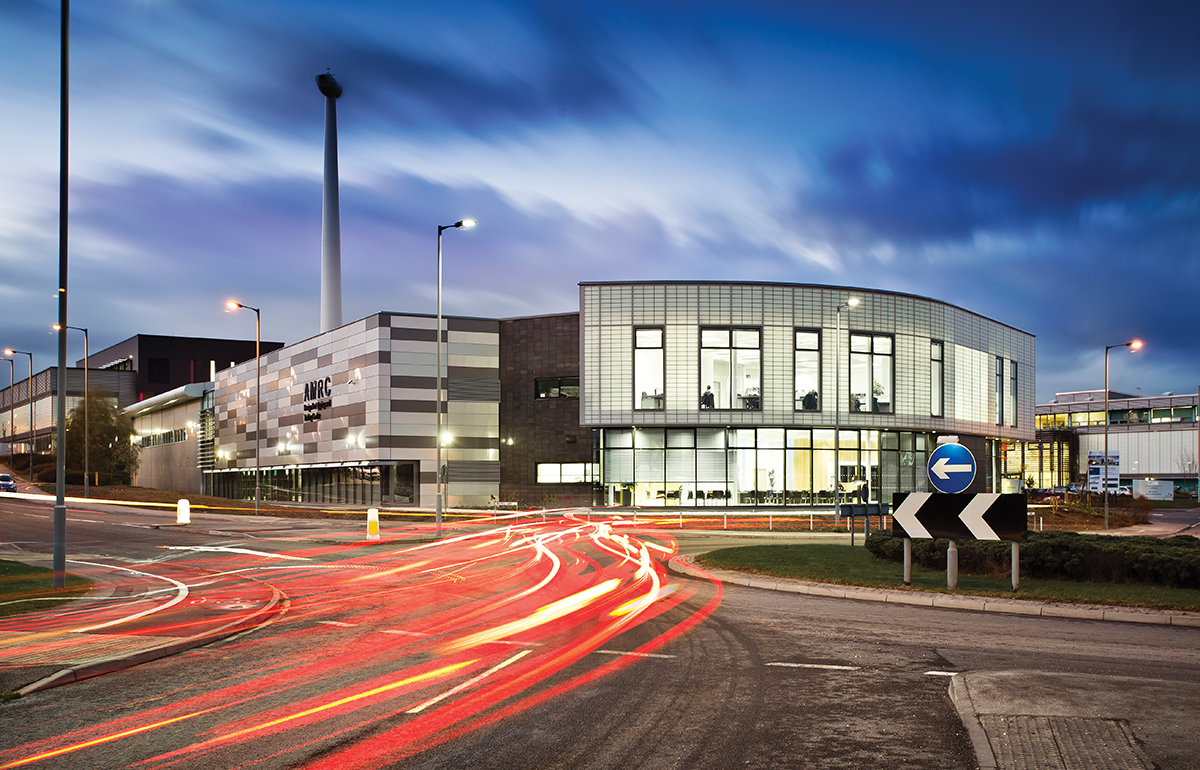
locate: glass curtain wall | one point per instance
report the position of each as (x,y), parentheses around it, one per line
(758,466)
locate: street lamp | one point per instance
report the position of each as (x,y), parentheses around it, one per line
(232,305)
(1134,346)
(465,224)
(12,366)
(852,302)
(11,352)
(86,421)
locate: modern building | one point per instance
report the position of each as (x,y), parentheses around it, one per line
(654,394)
(350,415)
(35,403)
(1152,437)
(772,394)
(164,363)
(171,428)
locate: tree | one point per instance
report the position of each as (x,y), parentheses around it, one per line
(111,454)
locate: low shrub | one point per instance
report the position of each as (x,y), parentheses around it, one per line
(1173,562)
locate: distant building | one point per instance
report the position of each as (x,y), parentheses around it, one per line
(1154,437)
(15,434)
(164,363)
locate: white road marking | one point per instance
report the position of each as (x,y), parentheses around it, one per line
(231,549)
(941,673)
(454,690)
(404,633)
(634,654)
(181,592)
(336,623)
(824,666)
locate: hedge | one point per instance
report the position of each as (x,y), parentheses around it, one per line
(1172,562)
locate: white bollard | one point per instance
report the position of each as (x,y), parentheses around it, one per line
(372,523)
(183,512)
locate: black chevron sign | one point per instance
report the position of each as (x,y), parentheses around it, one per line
(959,517)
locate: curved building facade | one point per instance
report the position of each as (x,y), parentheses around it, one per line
(776,394)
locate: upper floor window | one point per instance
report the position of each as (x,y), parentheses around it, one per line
(937,378)
(1012,393)
(558,387)
(649,369)
(999,390)
(871,373)
(730,368)
(808,370)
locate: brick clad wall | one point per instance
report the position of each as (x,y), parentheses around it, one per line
(541,429)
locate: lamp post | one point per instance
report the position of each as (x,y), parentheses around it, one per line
(232,305)
(11,352)
(86,421)
(12,366)
(465,224)
(851,302)
(1134,346)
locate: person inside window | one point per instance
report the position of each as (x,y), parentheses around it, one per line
(708,400)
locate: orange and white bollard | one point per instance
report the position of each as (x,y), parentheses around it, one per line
(372,523)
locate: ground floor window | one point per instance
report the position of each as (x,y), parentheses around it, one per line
(352,485)
(758,466)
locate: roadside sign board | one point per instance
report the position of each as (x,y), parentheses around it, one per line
(951,468)
(959,517)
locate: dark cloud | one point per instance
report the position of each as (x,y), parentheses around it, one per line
(577,79)
(947,189)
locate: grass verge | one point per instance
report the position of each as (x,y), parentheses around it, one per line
(846,565)
(25,588)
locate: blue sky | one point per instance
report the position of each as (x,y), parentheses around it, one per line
(1038,163)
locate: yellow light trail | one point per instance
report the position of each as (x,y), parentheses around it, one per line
(544,615)
(444,671)
(105,739)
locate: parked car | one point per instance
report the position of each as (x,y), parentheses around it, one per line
(1125,491)
(7,484)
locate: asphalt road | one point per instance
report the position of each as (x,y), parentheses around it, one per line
(767,680)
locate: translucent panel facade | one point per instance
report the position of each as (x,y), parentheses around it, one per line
(752,390)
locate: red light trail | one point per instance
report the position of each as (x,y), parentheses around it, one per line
(418,644)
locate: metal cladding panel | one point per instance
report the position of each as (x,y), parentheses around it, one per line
(942,516)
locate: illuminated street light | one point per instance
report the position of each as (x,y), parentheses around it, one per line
(465,224)
(1134,346)
(11,352)
(850,303)
(233,305)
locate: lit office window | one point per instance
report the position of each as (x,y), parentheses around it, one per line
(730,368)
(566,473)
(871,373)
(1012,392)
(937,379)
(649,370)
(808,370)
(999,390)
(557,387)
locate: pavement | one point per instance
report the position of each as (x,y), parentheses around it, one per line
(1015,720)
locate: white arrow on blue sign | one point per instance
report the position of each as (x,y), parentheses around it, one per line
(951,468)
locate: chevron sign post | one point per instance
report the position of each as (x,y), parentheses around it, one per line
(956,517)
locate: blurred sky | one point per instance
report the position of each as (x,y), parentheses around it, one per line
(1035,162)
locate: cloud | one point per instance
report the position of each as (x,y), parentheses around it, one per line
(946,189)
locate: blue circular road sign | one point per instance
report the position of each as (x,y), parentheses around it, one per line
(951,468)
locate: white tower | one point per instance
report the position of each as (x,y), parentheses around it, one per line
(331,227)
